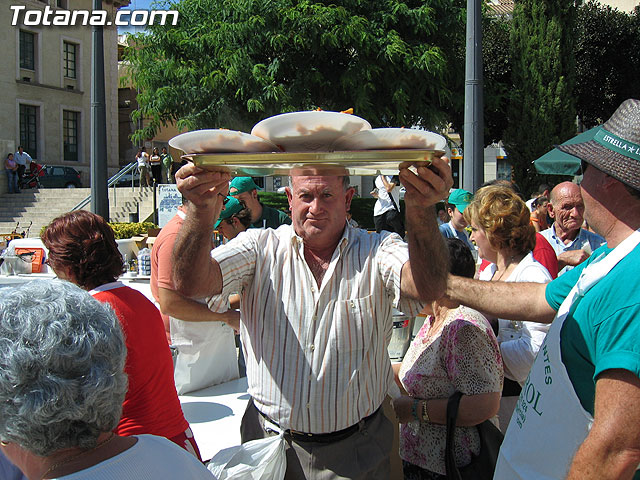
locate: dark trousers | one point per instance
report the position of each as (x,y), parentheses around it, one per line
(391,221)
(156,172)
(364,455)
(21,169)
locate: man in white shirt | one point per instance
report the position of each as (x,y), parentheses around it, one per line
(572,243)
(386,211)
(23,159)
(316,302)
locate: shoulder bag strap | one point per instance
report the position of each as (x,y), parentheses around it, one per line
(449,456)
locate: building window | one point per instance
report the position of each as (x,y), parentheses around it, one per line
(69,59)
(29,129)
(70,135)
(503,169)
(27,50)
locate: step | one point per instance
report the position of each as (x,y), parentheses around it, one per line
(42,206)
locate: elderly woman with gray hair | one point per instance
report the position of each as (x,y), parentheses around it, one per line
(62,383)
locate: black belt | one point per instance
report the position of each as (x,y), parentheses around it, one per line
(322,437)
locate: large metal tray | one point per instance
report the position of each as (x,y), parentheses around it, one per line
(361,162)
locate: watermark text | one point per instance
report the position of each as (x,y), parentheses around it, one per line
(66,18)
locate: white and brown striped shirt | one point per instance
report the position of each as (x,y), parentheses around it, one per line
(316,358)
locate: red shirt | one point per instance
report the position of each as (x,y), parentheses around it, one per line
(543,252)
(151,404)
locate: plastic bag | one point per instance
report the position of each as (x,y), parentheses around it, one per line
(263,459)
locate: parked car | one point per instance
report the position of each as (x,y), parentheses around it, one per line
(125,180)
(60,177)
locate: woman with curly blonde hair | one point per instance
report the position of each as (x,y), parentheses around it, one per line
(501,229)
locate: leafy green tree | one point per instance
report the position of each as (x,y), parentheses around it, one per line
(542,108)
(607,60)
(496,60)
(231,63)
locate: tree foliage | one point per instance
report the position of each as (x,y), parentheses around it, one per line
(542,108)
(231,63)
(607,60)
(497,75)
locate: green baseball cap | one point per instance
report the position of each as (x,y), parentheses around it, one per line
(231,207)
(242,184)
(460,198)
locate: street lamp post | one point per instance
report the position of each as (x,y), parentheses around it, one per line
(473,130)
(99,192)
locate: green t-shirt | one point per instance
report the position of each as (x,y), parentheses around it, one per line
(271,218)
(602,331)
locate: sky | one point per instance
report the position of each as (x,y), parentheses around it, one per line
(135,5)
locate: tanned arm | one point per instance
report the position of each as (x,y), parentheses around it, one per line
(612,448)
(424,275)
(195,273)
(516,301)
(188,310)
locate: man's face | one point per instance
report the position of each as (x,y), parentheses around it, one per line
(230,228)
(567,208)
(250,198)
(20,150)
(319,209)
(594,194)
(457,219)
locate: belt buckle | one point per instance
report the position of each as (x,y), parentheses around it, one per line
(300,434)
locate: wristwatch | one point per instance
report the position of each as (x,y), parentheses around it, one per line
(424,418)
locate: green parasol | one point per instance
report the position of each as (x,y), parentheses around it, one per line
(560,163)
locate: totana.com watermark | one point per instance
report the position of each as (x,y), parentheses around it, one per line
(65,18)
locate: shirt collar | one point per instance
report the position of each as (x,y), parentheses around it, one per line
(348,236)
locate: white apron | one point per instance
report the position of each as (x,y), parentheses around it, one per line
(549,423)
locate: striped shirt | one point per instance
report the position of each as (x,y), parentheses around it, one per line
(317,358)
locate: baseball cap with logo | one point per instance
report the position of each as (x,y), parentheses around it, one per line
(241,185)
(460,198)
(231,207)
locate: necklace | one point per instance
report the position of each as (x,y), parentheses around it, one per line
(506,267)
(73,457)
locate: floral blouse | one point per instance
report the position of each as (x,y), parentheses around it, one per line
(464,356)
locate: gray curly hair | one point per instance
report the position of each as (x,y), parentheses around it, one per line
(62,355)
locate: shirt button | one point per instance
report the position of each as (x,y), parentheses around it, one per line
(308,406)
(353,305)
(312,347)
(313,290)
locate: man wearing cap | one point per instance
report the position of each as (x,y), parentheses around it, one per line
(455,228)
(316,301)
(235,218)
(177,310)
(572,243)
(578,416)
(262,216)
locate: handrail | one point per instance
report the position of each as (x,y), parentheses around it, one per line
(112,181)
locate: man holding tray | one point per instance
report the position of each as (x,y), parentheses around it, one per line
(317,300)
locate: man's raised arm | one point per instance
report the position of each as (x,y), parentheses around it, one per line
(424,275)
(195,273)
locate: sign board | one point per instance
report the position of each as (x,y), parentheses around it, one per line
(169,199)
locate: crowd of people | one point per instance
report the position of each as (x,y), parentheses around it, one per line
(532,323)
(159,167)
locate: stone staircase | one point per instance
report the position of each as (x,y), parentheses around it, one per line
(40,206)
